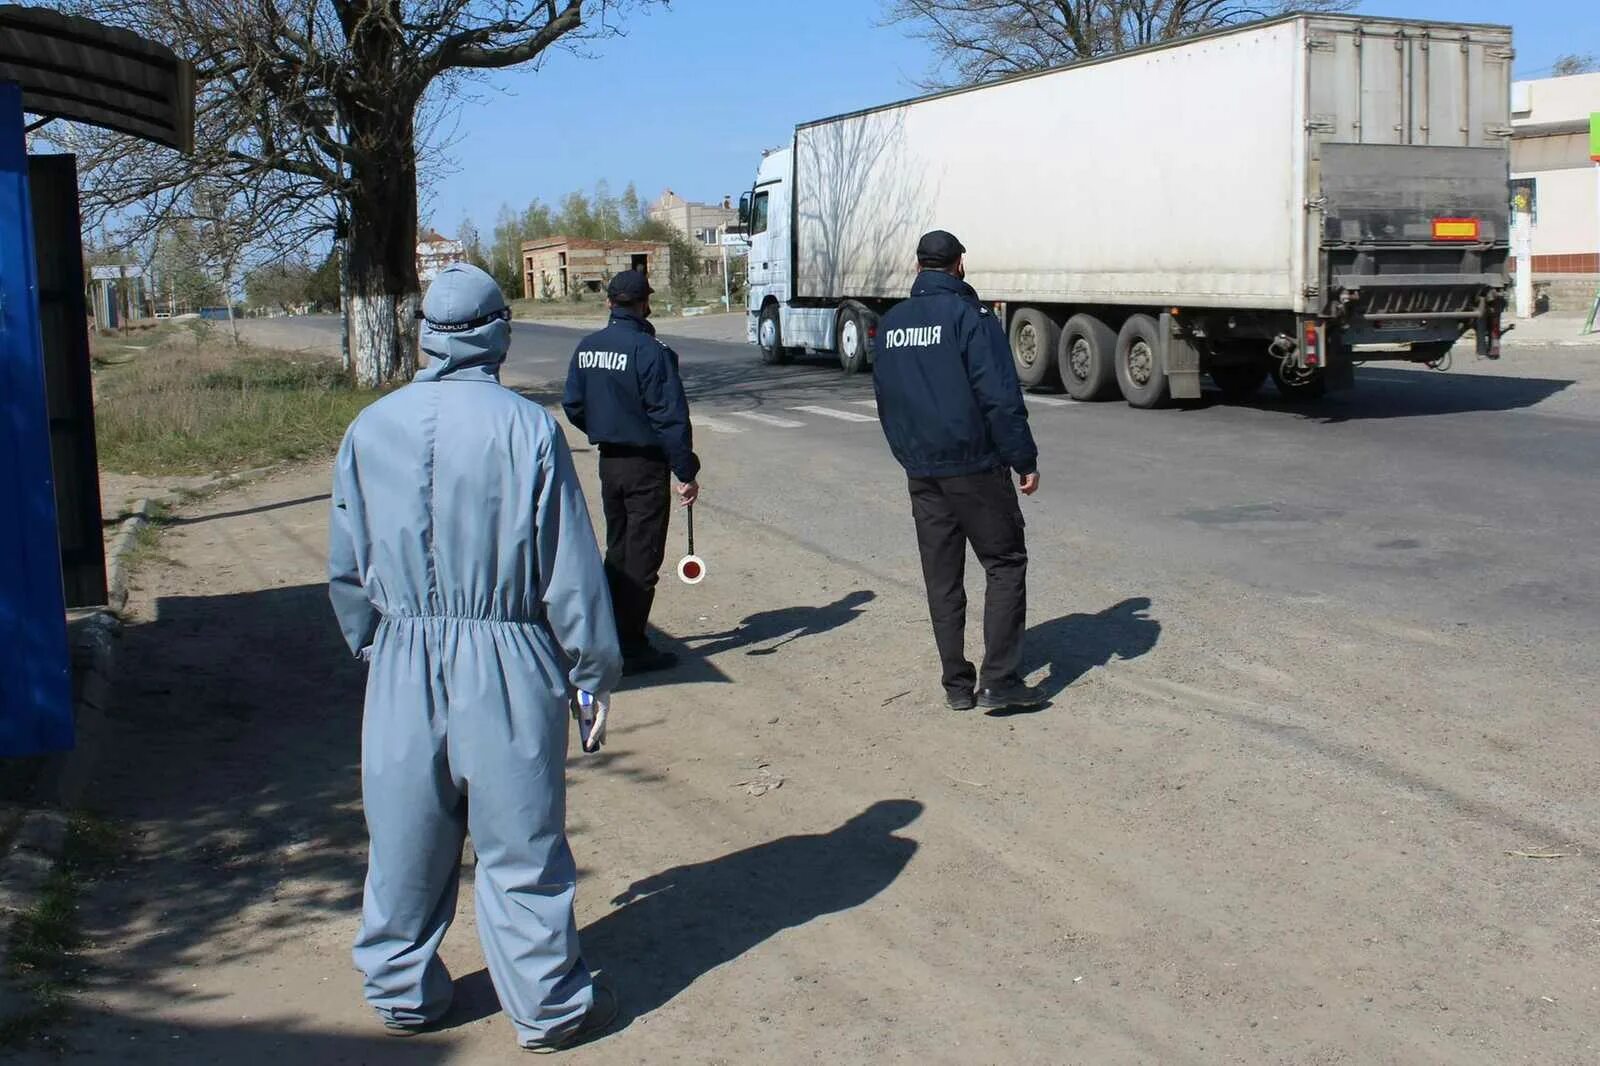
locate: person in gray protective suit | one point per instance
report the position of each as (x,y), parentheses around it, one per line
(463,567)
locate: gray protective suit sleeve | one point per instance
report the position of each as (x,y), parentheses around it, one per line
(358,619)
(577,606)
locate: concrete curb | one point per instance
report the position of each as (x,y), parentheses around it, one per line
(143,512)
(36,847)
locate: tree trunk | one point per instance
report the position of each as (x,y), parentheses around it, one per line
(384,295)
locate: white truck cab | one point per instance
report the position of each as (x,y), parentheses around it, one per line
(777,323)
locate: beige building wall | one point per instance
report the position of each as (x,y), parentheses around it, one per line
(1550,145)
(703,224)
(556,268)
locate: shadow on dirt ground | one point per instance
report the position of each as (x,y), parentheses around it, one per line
(261,1041)
(1074,644)
(677,925)
(782,626)
(232,758)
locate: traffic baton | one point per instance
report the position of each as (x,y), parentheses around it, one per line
(691,568)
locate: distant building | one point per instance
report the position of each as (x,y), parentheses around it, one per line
(1550,165)
(704,225)
(435,252)
(554,268)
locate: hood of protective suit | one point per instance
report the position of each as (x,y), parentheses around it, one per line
(462,328)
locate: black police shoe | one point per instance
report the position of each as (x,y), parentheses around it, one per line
(601,1014)
(648,661)
(960,701)
(1016,694)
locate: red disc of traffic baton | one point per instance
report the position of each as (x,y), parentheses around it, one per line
(691,568)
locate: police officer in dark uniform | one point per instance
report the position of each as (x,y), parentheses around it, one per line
(623,390)
(952,409)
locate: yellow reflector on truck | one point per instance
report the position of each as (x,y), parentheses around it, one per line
(1455,229)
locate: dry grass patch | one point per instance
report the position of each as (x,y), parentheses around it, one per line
(185,408)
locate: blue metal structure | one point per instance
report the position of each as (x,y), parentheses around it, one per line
(36,681)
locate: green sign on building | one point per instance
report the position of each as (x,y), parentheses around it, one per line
(1594,136)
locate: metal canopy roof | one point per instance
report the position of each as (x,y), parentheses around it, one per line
(80,70)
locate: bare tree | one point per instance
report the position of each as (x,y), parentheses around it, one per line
(981,40)
(308,107)
(1584,63)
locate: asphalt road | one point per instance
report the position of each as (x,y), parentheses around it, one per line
(1459,499)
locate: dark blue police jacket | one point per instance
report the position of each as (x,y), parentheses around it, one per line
(948,394)
(623,389)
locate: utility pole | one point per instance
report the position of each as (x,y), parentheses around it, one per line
(1522,237)
(727,294)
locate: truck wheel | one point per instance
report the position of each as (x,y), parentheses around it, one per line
(1140,375)
(853,340)
(1299,386)
(769,337)
(1240,381)
(1034,337)
(1086,358)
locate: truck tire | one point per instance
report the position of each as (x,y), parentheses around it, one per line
(769,337)
(1300,386)
(1239,381)
(1034,337)
(1140,375)
(854,342)
(1086,358)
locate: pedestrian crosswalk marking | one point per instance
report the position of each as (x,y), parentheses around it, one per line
(768,420)
(716,425)
(1048,401)
(829,412)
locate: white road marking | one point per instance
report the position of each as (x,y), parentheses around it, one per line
(714,425)
(828,412)
(1048,401)
(866,403)
(768,420)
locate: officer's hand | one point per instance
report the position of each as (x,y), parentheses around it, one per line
(689,493)
(1028,484)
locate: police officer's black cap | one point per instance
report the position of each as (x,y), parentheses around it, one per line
(939,249)
(629,287)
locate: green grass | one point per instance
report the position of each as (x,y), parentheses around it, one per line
(45,940)
(182,408)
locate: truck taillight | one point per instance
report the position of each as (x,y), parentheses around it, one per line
(1313,344)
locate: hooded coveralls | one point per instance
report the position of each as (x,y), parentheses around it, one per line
(462,563)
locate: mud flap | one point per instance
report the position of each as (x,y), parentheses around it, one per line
(1181,359)
(1339,367)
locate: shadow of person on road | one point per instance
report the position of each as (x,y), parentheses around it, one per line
(677,925)
(1074,644)
(789,623)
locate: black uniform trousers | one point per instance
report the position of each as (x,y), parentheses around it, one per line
(981,510)
(636,494)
